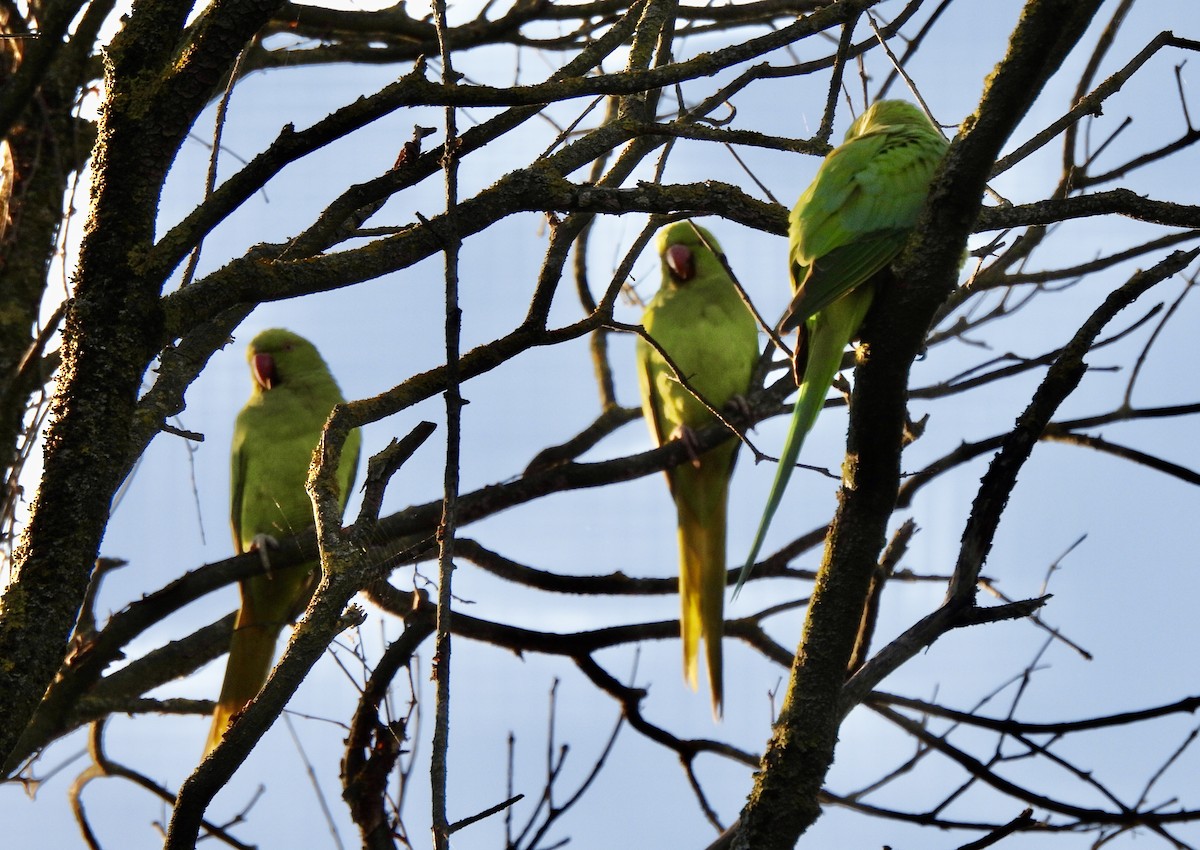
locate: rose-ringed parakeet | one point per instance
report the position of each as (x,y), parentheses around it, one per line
(847,227)
(701,322)
(273,442)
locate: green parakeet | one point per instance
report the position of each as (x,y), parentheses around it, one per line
(700,320)
(273,442)
(848,226)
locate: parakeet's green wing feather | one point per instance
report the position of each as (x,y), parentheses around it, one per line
(651,400)
(841,270)
(237,478)
(872,182)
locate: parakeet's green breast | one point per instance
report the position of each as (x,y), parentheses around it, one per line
(276,433)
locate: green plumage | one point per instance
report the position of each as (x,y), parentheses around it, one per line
(700,320)
(273,442)
(847,227)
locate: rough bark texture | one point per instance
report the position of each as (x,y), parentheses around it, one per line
(112,332)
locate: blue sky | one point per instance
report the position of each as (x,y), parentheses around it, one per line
(1125,593)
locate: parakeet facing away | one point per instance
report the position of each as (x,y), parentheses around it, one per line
(848,226)
(273,442)
(700,320)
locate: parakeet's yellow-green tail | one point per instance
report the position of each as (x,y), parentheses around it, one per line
(269,602)
(701,496)
(251,652)
(826,345)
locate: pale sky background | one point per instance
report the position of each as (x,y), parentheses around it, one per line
(1125,594)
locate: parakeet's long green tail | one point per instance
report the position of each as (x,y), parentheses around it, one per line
(828,334)
(701,496)
(268,604)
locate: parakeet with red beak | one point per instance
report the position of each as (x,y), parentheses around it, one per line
(701,322)
(273,442)
(847,227)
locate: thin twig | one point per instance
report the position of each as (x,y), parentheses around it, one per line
(210,177)
(447,528)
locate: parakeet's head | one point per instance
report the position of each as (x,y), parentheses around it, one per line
(278,357)
(887,113)
(684,255)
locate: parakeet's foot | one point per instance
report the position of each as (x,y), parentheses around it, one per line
(260,544)
(800,355)
(687,436)
(740,407)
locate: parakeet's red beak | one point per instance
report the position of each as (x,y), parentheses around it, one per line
(262,366)
(681,262)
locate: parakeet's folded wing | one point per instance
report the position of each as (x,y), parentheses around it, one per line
(855,217)
(829,277)
(649,364)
